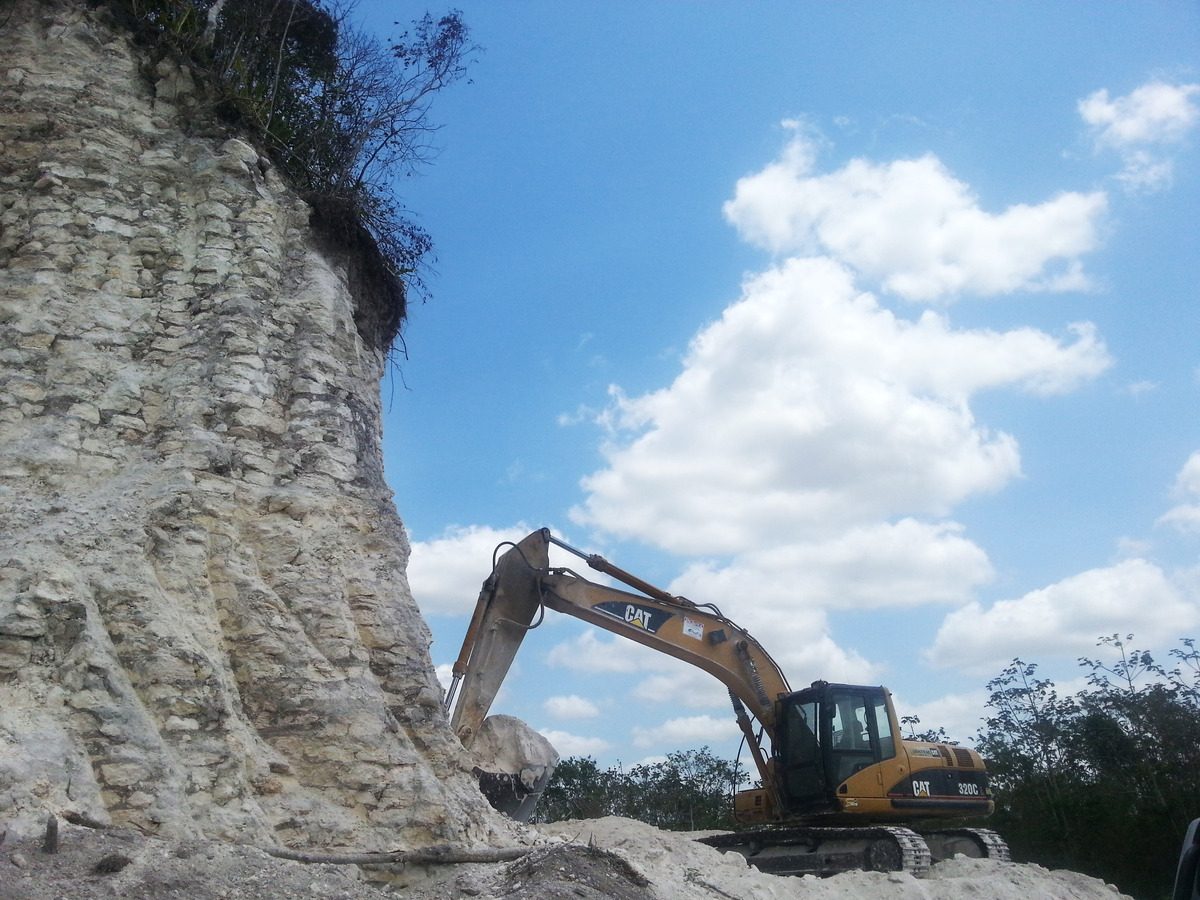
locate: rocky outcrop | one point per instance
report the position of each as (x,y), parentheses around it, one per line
(205,626)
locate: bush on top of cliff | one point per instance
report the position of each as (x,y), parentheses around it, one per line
(341,113)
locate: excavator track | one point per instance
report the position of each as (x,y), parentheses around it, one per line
(828,851)
(982,843)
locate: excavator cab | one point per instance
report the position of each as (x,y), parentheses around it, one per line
(825,734)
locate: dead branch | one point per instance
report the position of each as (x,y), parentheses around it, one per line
(83,819)
(443,854)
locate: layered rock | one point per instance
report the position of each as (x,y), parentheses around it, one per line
(205,626)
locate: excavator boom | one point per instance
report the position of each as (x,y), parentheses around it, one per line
(697,635)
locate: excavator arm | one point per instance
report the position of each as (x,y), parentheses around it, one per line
(523,584)
(508,601)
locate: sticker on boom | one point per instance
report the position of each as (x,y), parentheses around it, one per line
(643,617)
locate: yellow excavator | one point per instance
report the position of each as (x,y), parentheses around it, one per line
(837,776)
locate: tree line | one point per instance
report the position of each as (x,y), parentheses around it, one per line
(689,791)
(1103,782)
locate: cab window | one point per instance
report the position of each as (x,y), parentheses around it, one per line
(883,728)
(859,729)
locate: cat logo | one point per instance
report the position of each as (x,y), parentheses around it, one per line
(637,616)
(643,618)
(921,788)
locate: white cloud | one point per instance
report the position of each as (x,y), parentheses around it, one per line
(960,714)
(446,573)
(686,731)
(1187,482)
(567,744)
(1064,619)
(815,440)
(809,409)
(683,686)
(570,707)
(1186,516)
(1140,125)
(906,563)
(445,675)
(653,759)
(1155,113)
(589,652)
(913,228)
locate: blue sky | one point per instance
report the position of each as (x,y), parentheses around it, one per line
(875,324)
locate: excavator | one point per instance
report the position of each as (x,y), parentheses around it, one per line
(836,777)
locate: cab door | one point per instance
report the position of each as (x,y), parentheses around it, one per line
(800,755)
(829,732)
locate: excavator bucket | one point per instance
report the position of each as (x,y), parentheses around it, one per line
(507,605)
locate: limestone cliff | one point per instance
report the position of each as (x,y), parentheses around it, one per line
(205,626)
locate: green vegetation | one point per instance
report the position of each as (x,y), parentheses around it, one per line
(1104,782)
(691,791)
(342,114)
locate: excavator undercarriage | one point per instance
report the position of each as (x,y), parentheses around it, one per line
(881,848)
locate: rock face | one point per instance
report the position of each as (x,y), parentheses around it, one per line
(205,626)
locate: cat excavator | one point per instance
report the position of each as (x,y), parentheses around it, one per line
(836,778)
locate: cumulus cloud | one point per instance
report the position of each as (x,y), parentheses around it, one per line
(1186,515)
(961,715)
(1155,113)
(1064,619)
(683,686)
(811,450)
(590,652)
(567,744)
(913,228)
(445,574)
(570,707)
(808,409)
(901,564)
(1140,126)
(688,731)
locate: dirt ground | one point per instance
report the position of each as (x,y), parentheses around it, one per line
(586,860)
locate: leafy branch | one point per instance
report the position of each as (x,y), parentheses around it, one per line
(341,113)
